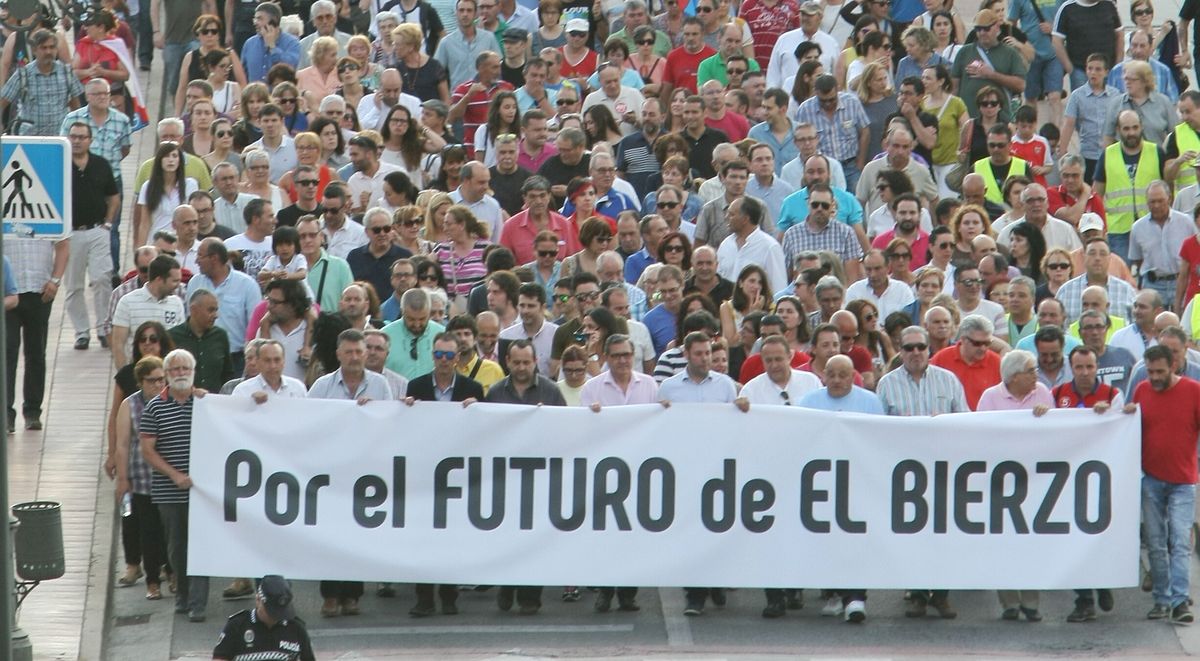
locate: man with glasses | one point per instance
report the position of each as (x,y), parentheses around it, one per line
(609,201)
(807,145)
(230,204)
(305,178)
(1113,364)
(1096,273)
(373,262)
(342,234)
(987,62)
(662,318)
(971,359)
(819,230)
(1074,196)
(111,141)
(714,66)
(1000,164)
(403,278)
(237,294)
(842,127)
(585,291)
(969,295)
(412,335)
(323,16)
(276,142)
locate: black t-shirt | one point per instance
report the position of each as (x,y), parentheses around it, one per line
(722,292)
(290,214)
(1002,172)
(561,173)
(700,156)
(219,231)
(513,75)
(1131,161)
(1191,12)
(1088,30)
(92,185)
(125,381)
(506,188)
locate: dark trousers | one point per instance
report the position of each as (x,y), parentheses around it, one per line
(779,594)
(1089,170)
(142,538)
(527,595)
(191,591)
(145,37)
(447,593)
(929,596)
(624,595)
(1087,597)
(28,322)
(341,590)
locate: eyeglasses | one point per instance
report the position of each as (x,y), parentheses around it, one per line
(1058,266)
(997,145)
(208,31)
(379,229)
(988,104)
(306,182)
(646,42)
(405,274)
(148,338)
(1143,12)
(901,255)
(971,282)
(224,134)
(587,295)
(566,102)
(673,248)
(820,205)
(667,205)
(735,72)
(444,355)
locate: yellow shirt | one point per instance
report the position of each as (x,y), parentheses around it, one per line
(489,372)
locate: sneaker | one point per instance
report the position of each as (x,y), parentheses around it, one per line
(718,596)
(240,588)
(421,610)
(1082,613)
(196,616)
(628,605)
(1105,600)
(832,607)
(571,594)
(33,424)
(944,609)
(916,608)
(81,343)
(103,341)
(603,602)
(694,608)
(1031,614)
(350,607)
(774,609)
(1181,614)
(856,612)
(1159,612)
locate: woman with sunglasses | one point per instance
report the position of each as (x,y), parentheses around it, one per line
(972,142)
(869,336)
(1058,267)
(899,256)
(863,26)
(503,117)
(649,65)
(227,94)
(429,273)
(308,152)
(246,130)
(287,96)
(407,222)
(351,86)
(208,30)
(166,189)
(676,250)
(150,339)
(596,237)
(222,146)
(875,48)
(358,48)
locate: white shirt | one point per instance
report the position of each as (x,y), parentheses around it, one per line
(1130,339)
(348,237)
(643,345)
(140,305)
(543,341)
(292,343)
(628,100)
(990,309)
(487,210)
(288,387)
(160,217)
(881,220)
(762,390)
(1156,246)
(895,297)
(783,56)
(373,185)
(371,115)
(1058,234)
(254,253)
(230,214)
(760,249)
(283,157)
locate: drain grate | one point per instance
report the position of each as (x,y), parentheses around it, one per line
(130,620)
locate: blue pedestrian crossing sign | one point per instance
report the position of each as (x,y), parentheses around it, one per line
(35,175)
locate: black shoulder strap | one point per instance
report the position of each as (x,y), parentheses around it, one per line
(475,370)
(1038,10)
(321,282)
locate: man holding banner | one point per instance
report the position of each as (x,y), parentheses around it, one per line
(1170,428)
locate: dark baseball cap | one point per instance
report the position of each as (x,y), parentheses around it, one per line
(516,34)
(276,596)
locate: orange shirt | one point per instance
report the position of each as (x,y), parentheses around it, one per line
(975,378)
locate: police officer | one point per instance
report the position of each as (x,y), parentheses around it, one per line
(269,632)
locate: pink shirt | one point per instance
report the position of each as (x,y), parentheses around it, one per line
(919,247)
(604,390)
(519,232)
(311,80)
(998,398)
(531,163)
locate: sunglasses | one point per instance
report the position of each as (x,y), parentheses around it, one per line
(673,248)
(997,145)
(380,229)
(427,277)
(646,42)
(1058,266)
(306,182)
(547,253)
(577,34)
(988,104)
(561,298)
(978,343)
(703,10)
(148,338)
(971,282)
(667,205)
(901,255)
(331,210)
(347,67)
(1143,12)
(405,274)
(412,222)
(444,355)
(588,296)
(944,245)
(287,99)
(209,31)
(820,205)
(914,346)
(566,102)
(224,134)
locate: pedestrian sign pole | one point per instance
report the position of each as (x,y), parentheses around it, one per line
(35,203)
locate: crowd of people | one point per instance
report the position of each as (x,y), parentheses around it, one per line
(846,206)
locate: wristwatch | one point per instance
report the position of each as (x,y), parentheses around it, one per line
(56,280)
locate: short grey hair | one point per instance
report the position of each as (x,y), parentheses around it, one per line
(916,330)
(322,7)
(1094,314)
(975,322)
(634,4)
(224,165)
(1159,183)
(828,282)
(252,347)
(256,155)
(416,300)
(1015,362)
(332,100)
(1071,160)
(610,256)
(1026,282)
(439,295)
(376,211)
(170,121)
(269,343)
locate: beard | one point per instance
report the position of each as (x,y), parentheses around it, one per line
(180,383)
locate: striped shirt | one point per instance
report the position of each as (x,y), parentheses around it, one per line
(837,238)
(937,392)
(139,470)
(670,363)
(140,306)
(462,273)
(32,262)
(108,139)
(838,136)
(170,422)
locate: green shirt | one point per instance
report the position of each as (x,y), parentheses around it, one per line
(1004,58)
(662,43)
(193,166)
(337,275)
(713,68)
(211,351)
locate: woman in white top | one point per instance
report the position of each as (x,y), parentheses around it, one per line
(258,179)
(1011,191)
(503,117)
(934,7)
(227,94)
(949,36)
(165,190)
(402,144)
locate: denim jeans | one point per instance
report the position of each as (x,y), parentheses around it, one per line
(1119,245)
(850,169)
(192,591)
(1167,513)
(172,61)
(1166,288)
(145,37)
(1078,78)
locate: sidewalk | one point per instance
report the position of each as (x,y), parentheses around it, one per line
(65,618)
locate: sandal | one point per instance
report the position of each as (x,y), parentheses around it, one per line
(153,593)
(132,574)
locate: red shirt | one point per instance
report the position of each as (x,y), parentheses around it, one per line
(732,124)
(919,248)
(1057,198)
(477,108)
(975,378)
(1033,152)
(1190,252)
(753,366)
(682,67)
(1170,428)
(519,232)
(581,69)
(767,24)
(1066,397)
(861,357)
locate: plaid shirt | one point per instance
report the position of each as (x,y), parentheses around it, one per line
(139,470)
(837,238)
(42,100)
(107,140)
(32,262)
(839,135)
(1120,297)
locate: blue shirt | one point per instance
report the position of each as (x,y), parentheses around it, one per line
(237,297)
(637,263)
(714,388)
(10,278)
(611,204)
(1028,343)
(785,150)
(1023,11)
(390,309)
(1164,80)
(661,323)
(795,209)
(859,400)
(257,59)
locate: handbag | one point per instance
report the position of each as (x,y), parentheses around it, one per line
(954,177)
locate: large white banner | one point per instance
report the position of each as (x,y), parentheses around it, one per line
(690,495)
